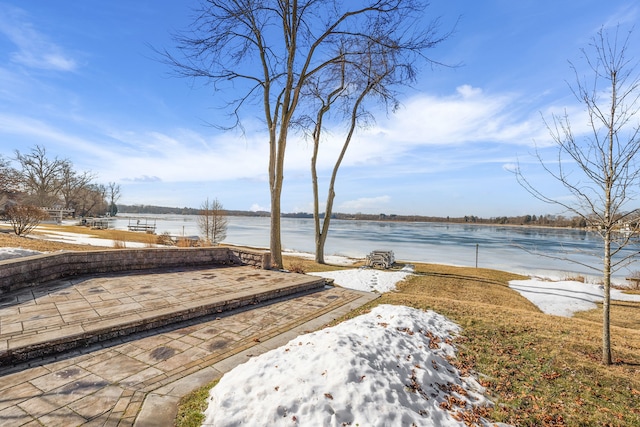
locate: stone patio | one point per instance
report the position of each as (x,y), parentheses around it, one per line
(121,349)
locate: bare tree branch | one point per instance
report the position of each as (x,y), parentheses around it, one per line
(600,170)
(267,52)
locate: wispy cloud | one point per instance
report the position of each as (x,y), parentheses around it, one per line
(34,49)
(364,203)
(143,178)
(427,135)
(258,208)
(470,115)
(442,132)
(627,14)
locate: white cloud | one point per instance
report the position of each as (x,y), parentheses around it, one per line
(143,178)
(510,167)
(258,208)
(34,49)
(467,117)
(417,139)
(364,204)
(182,157)
(627,14)
(468,120)
(467,91)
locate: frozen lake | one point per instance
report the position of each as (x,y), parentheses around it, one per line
(515,249)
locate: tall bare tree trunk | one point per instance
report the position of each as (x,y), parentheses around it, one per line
(276,177)
(323,230)
(320,238)
(606,327)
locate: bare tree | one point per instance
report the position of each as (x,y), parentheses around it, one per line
(24,218)
(212,221)
(600,169)
(9,182)
(41,176)
(91,200)
(268,50)
(72,185)
(369,71)
(8,176)
(114,193)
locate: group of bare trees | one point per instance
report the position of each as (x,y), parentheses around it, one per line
(41,181)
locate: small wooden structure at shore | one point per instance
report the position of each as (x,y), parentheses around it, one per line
(138,225)
(57,214)
(383,259)
(96,223)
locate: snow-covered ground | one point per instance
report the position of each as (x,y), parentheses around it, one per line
(8,253)
(329,259)
(564,298)
(82,239)
(367,279)
(389,367)
(560,298)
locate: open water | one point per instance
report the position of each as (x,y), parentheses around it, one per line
(526,250)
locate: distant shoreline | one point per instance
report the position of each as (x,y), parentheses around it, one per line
(517,221)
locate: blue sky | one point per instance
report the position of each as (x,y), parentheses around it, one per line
(81,79)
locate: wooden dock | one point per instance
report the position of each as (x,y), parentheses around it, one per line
(142,225)
(96,223)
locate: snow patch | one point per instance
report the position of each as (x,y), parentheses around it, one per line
(388,367)
(564,298)
(9,253)
(367,279)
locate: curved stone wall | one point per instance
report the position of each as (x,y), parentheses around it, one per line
(30,271)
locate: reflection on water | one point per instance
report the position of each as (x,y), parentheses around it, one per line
(516,249)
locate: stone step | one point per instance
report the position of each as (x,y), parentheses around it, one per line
(72,313)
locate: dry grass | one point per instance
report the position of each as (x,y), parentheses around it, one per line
(539,369)
(292,263)
(120,237)
(10,240)
(623,313)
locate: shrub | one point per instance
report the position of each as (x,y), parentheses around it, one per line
(186,242)
(296,267)
(165,239)
(24,218)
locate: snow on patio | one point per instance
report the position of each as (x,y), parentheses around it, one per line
(388,367)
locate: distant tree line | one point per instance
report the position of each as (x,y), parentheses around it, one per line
(160,210)
(36,179)
(156,210)
(545,220)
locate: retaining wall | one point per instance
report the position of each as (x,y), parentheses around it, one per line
(29,271)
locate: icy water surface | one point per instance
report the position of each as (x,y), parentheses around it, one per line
(515,249)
